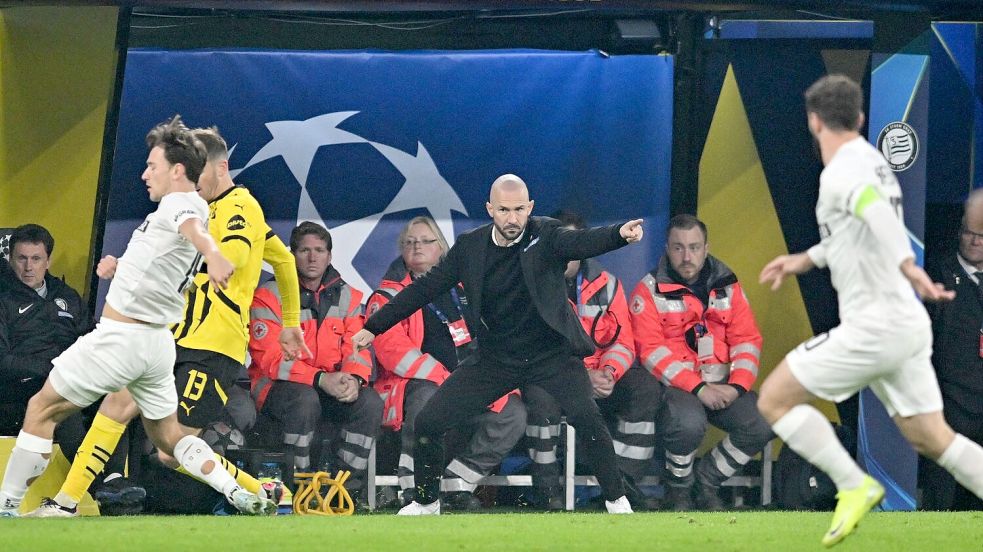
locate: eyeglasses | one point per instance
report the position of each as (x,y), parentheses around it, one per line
(972,235)
(410,244)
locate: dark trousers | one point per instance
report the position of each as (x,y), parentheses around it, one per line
(941,491)
(298,410)
(470,389)
(630,410)
(486,440)
(684,423)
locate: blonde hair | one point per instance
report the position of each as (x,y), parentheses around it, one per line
(432,225)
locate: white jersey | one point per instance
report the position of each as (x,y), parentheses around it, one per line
(868,281)
(159,263)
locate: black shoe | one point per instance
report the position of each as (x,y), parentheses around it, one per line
(640,502)
(460,501)
(635,496)
(679,498)
(547,499)
(708,499)
(119,497)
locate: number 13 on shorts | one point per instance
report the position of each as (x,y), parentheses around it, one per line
(195,386)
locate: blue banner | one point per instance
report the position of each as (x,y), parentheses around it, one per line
(898,127)
(363,141)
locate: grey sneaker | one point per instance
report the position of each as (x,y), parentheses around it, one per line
(251,505)
(51,509)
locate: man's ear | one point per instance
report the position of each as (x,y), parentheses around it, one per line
(488,207)
(222,168)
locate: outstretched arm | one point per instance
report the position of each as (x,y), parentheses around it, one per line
(219,268)
(785,265)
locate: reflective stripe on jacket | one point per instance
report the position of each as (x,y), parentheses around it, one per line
(329,340)
(662,311)
(398,354)
(602,299)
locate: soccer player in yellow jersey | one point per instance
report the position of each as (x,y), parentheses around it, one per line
(213,334)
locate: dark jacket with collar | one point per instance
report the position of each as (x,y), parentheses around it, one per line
(956,329)
(543,259)
(34,329)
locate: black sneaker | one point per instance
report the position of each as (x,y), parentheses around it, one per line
(640,502)
(460,501)
(119,497)
(679,498)
(708,499)
(547,499)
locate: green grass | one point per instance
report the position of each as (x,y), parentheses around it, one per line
(710,532)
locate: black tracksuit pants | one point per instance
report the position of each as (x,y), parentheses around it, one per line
(471,388)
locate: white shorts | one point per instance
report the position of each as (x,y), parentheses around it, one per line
(896,364)
(115,355)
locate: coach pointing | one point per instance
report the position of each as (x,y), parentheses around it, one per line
(527,333)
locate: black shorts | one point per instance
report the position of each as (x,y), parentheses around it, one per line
(202,378)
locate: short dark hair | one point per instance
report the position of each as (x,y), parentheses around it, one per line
(215,146)
(32,233)
(569,218)
(308,228)
(180,146)
(686,222)
(837,100)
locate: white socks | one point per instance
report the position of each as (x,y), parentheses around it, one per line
(808,432)
(195,455)
(27,462)
(964,460)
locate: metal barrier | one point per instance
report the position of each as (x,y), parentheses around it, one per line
(570,480)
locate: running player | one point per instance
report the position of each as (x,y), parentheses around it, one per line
(131,347)
(884,339)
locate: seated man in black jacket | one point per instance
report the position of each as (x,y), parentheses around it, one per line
(40,316)
(956,355)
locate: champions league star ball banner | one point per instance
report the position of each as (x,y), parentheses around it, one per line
(898,127)
(363,141)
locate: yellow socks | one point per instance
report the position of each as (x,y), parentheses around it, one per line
(91,458)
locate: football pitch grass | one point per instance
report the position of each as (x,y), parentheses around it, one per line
(751,531)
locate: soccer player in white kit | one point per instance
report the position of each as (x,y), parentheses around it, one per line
(884,339)
(132,346)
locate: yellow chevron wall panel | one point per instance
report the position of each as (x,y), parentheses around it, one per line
(57,71)
(735,203)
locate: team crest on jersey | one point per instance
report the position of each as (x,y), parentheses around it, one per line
(260,330)
(237,222)
(373,308)
(637,304)
(898,143)
(62,304)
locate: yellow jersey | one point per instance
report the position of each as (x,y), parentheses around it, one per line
(216,319)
